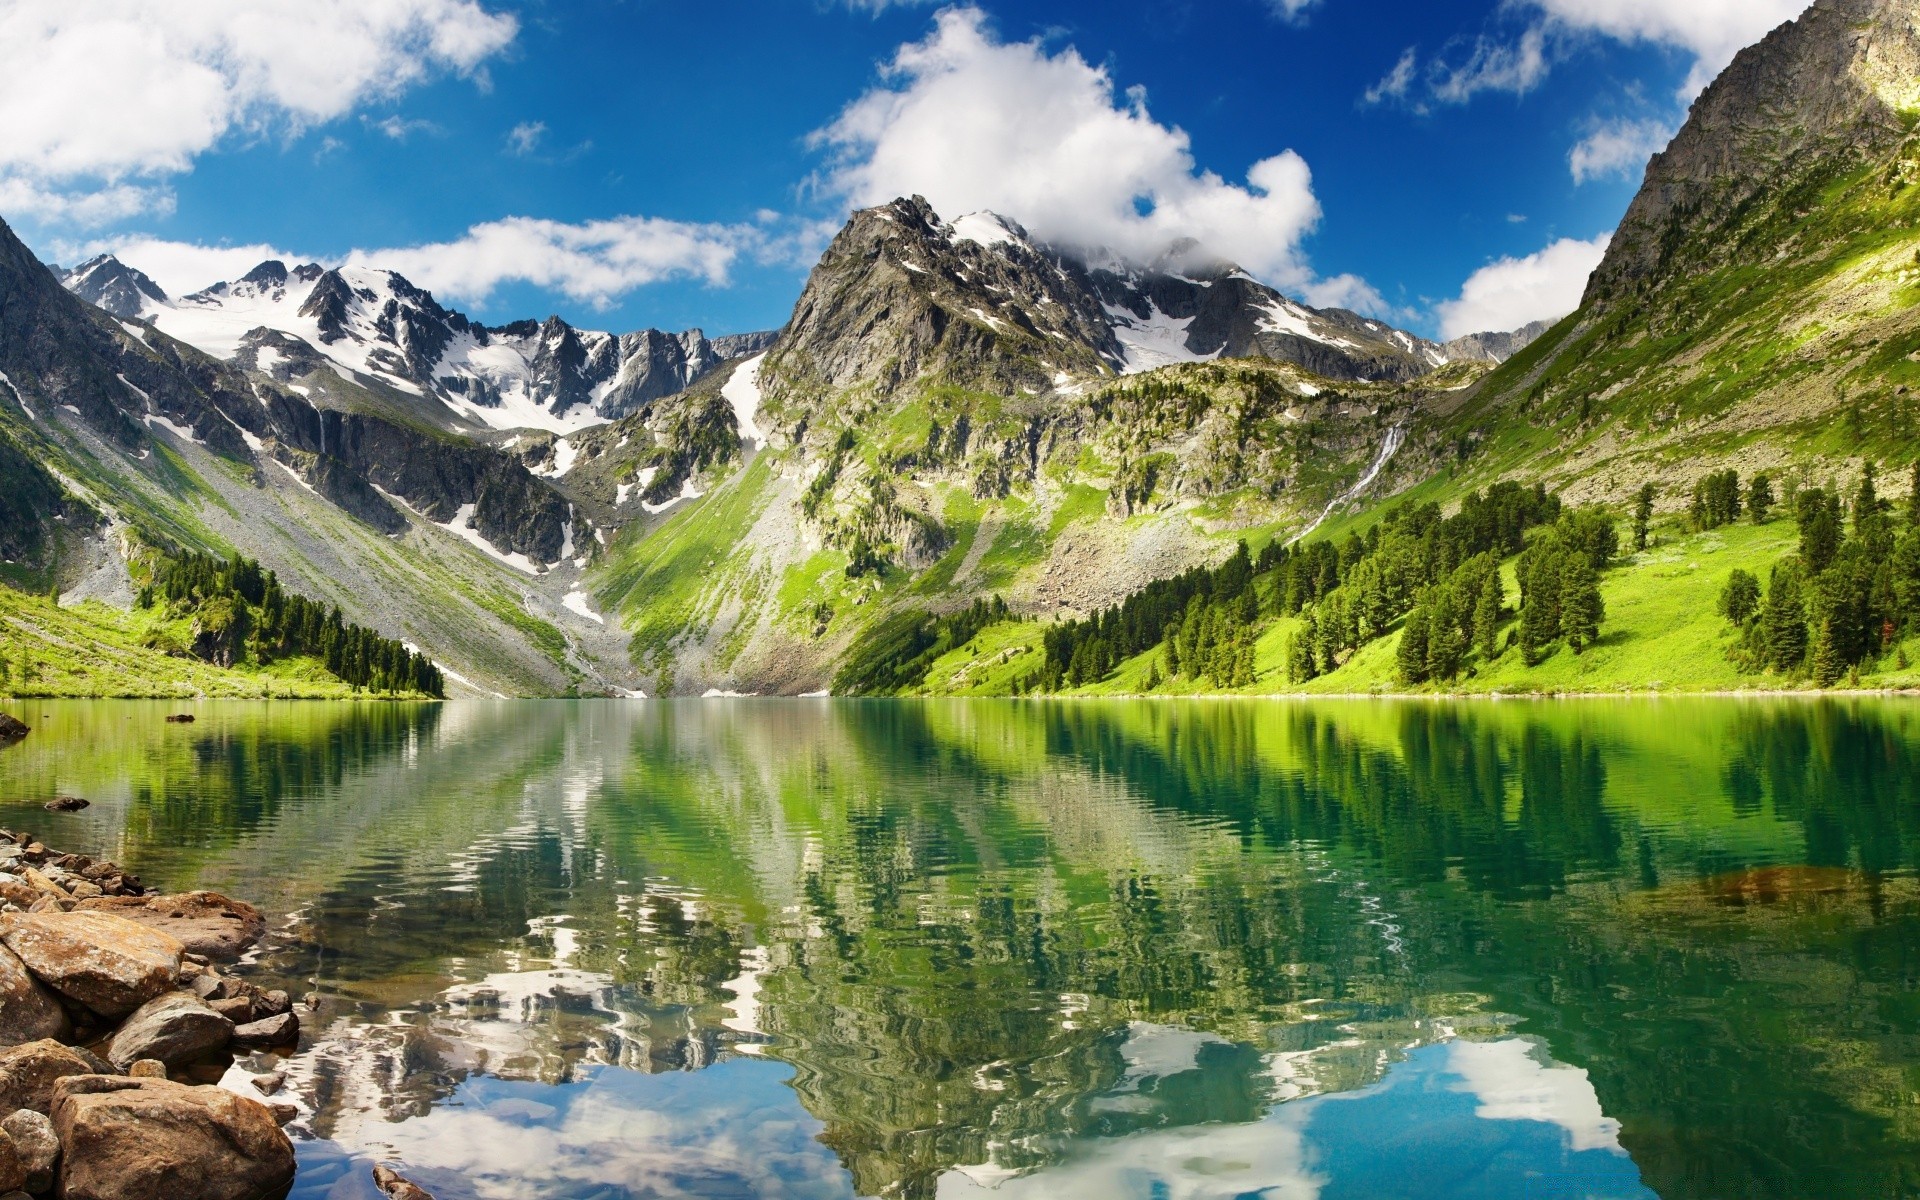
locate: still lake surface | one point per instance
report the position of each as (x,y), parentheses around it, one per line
(1181,950)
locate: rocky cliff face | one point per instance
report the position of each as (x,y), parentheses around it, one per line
(1830,90)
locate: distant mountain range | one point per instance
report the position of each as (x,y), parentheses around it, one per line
(954,408)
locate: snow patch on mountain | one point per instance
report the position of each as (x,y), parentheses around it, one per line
(1157,341)
(742,390)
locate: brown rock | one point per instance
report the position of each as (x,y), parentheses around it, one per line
(12,729)
(175,1028)
(274,1031)
(28,1011)
(13,1171)
(284,1113)
(38,1148)
(147,1068)
(398,1186)
(206,923)
(44,884)
(107,963)
(147,1139)
(269,1083)
(84,889)
(28,1073)
(272,1004)
(65,804)
(237,1009)
(180,719)
(17,891)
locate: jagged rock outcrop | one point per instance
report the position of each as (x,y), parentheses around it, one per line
(1819,93)
(106,282)
(1493,347)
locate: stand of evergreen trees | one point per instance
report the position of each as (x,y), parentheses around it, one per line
(894,657)
(241,611)
(1844,599)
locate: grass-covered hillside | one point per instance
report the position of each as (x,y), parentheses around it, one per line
(1515,594)
(200,627)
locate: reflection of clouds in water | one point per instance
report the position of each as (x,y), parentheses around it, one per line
(1156,1051)
(1511,1084)
(733,1130)
(1546,1115)
(1208,1162)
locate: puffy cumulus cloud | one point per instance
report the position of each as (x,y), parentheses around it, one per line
(973,123)
(1513,292)
(1618,149)
(96,92)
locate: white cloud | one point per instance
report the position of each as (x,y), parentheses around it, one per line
(594,262)
(400,129)
(1513,292)
(1710,32)
(1713,31)
(1394,85)
(523,139)
(97,92)
(180,268)
(1290,10)
(1494,67)
(974,123)
(876,7)
(1618,149)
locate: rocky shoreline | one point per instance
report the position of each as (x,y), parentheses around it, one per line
(117,1022)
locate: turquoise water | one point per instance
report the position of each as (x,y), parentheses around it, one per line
(1131,949)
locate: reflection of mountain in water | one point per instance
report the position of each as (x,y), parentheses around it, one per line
(1034,945)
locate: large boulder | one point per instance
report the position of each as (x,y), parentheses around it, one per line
(107,963)
(28,1011)
(28,1073)
(204,922)
(12,729)
(149,1139)
(175,1028)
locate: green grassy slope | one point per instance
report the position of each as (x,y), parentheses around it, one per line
(1662,633)
(92,650)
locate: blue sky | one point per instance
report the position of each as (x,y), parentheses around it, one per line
(642,162)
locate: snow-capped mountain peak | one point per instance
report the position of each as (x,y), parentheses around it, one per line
(378,329)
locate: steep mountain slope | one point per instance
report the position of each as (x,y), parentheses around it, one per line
(381,331)
(955,411)
(1760,306)
(114,435)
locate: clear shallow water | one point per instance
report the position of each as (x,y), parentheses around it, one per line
(1187,950)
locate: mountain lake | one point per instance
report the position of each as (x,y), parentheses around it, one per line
(1187,950)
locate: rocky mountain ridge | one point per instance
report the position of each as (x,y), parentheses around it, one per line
(378,327)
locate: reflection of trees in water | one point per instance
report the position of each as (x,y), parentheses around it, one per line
(960,918)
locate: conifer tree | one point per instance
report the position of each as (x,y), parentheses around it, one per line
(1760,499)
(1412,653)
(1740,599)
(1486,616)
(1784,620)
(1826,658)
(1581,607)
(1642,515)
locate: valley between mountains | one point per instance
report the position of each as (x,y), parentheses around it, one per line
(975,463)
